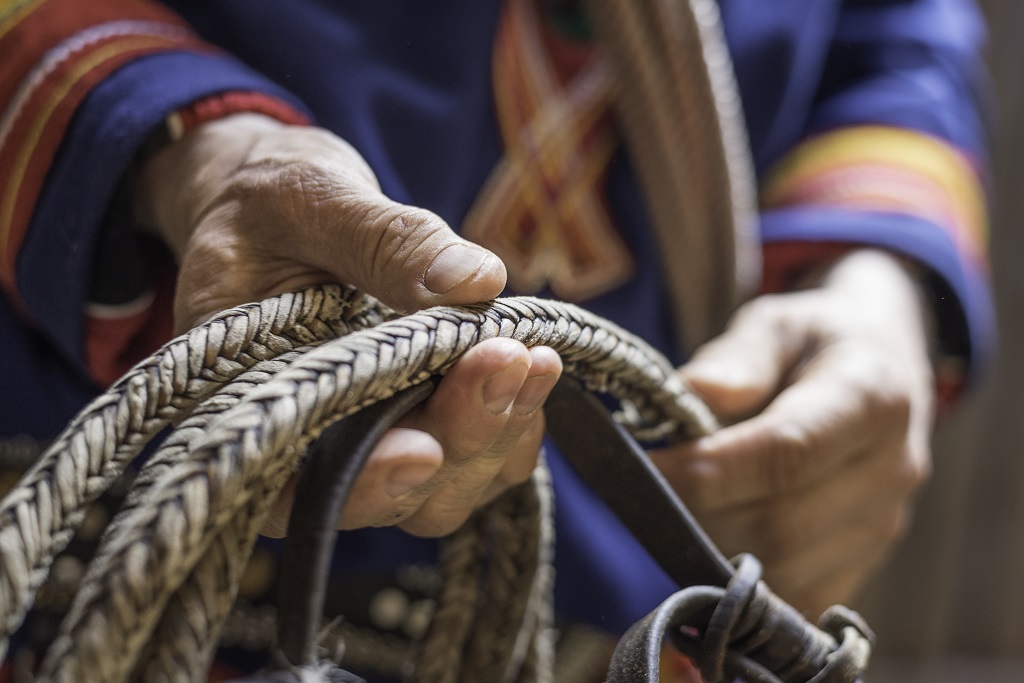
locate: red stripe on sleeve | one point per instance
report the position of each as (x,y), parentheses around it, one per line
(26,36)
(113,344)
(787,263)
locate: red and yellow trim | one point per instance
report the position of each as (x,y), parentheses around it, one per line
(890,170)
(41,105)
(13,11)
(55,52)
(542,209)
(29,30)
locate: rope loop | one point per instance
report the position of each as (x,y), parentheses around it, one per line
(855,640)
(249,390)
(252,388)
(739,593)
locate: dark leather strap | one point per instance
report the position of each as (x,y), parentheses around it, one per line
(728,621)
(332,465)
(612,463)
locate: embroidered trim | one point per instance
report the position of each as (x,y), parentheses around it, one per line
(542,210)
(14,11)
(67,49)
(57,50)
(874,168)
(23,166)
(29,32)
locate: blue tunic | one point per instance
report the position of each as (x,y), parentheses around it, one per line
(408,84)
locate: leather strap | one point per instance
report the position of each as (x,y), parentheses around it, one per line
(727,620)
(333,463)
(619,471)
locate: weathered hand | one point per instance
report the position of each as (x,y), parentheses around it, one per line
(253,208)
(829,392)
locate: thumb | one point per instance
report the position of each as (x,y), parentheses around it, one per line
(340,222)
(409,258)
(739,372)
(267,204)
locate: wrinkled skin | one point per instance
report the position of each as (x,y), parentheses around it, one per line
(252,208)
(827,391)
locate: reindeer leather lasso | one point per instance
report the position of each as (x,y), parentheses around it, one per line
(169,565)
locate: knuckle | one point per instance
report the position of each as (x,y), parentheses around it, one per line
(479,447)
(892,400)
(435,524)
(303,187)
(911,471)
(522,434)
(394,236)
(898,405)
(698,484)
(210,250)
(519,467)
(888,389)
(762,308)
(283,189)
(896,528)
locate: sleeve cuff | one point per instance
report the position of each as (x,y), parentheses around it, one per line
(898,190)
(57,258)
(877,169)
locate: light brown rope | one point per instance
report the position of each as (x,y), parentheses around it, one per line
(245,458)
(520,579)
(462,565)
(183,642)
(39,516)
(502,557)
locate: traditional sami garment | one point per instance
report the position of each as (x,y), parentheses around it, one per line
(862,117)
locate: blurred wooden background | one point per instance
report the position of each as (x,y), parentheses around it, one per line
(952,597)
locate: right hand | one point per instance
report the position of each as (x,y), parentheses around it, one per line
(252,208)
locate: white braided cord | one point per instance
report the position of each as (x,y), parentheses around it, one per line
(191,517)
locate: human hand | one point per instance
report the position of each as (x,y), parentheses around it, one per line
(829,400)
(252,208)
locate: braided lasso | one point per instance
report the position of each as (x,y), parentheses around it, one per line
(248,392)
(191,514)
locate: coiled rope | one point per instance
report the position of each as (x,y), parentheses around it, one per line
(193,516)
(39,516)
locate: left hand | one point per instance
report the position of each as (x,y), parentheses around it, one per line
(828,398)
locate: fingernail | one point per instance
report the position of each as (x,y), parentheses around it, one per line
(406,478)
(501,388)
(455,264)
(534,392)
